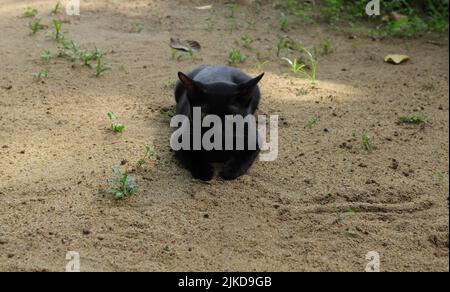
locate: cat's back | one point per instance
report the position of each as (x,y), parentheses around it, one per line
(222,74)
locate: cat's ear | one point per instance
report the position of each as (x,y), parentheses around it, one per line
(192,87)
(245,89)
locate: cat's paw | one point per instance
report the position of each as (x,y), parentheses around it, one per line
(204,173)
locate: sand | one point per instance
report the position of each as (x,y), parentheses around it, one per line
(321,206)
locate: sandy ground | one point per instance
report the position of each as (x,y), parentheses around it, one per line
(321,206)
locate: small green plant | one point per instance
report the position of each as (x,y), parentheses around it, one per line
(149,152)
(299,8)
(262,64)
(168,113)
(35,26)
(251,24)
(210,24)
(57,25)
(285,43)
(123,184)
(415,120)
(191,54)
(235,56)
(312,123)
(86,57)
(47,55)
(137,27)
(30,12)
(281,44)
(57,8)
(356,44)
(75,51)
(247,42)
(40,75)
(176,55)
(296,65)
(367,142)
(262,61)
(100,67)
(440,175)
(179,55)
(313,63)
(63,47)
(115,126)
(283,20)
(340,214)
(97,54)
(233,25)
(407,26)
(232,7)
(326,47)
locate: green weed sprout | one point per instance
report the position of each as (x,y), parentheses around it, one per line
(75,52)
(46,55)
(235,56)
(262,62)
(340,214)
(210,24)
(168,113)
(149,152)
(41,74)
(284,43)
(251,23)
(327,47)
(35,26)
(30,12)
(299,68)
(100,67)
(97,54)
(247,42)
(123,184)
(179,55)
(86,57)
(313,63)
(312,123)
(367,143)
(63,47)
(57,8)
(137,27)
(57,25)
(115,126)
(296,65)
(414,120)
(284,22)
(365,139)
(232,6)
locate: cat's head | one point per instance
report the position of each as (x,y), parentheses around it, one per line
(221,98)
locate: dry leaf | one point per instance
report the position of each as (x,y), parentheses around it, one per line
(185,46)
(396,59)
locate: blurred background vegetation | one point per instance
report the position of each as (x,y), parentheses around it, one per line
(399,18)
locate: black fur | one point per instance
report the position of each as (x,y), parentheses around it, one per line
(218,90)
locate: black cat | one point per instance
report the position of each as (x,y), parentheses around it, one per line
(220,91)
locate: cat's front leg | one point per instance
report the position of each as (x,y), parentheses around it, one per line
(195,163)
(238,165)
